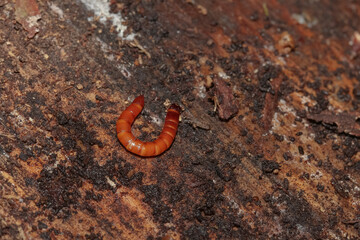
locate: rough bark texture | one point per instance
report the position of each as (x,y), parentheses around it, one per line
(261,152)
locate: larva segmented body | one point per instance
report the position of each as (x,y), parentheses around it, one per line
(138,147)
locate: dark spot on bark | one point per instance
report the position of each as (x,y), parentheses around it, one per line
(62,118)
(287,156)
(243,132)
(265,74)
(335,147)
(90,195)
(69,143)
(356,92)
(45,236)
(301,150)
(35,98)
(292,139)
(90,104)
(268,166)
(343,94)
(42,225)
(29,181)
(196,232)
(278,137)
(320,187)
(341,187)
(23,156)
(36,114)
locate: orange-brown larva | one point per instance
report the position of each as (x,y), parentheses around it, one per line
(138,147)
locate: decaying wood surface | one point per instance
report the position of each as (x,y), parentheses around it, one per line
(268,89)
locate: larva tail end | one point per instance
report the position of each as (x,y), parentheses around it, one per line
(139,100)
(175,107)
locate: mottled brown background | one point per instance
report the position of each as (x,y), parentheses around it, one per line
(267,148)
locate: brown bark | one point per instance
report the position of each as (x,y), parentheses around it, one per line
(263,150)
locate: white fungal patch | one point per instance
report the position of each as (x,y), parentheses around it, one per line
(19,119)
(107,50)
(110,182)
(275,122)
(223,75)
(284,107)
(278,117)
(155,119)
(201,91)
(101,9)
(56,10)
(316,175)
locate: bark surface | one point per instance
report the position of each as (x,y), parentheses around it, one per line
(268,143)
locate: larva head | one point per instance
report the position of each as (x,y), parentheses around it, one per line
(175,107)
(139,100)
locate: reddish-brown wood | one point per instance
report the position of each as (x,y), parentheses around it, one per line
(268,147)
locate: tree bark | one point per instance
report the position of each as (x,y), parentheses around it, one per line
(268,143)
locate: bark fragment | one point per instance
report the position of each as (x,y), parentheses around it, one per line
(225,101)
(345,122)
(27,14)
